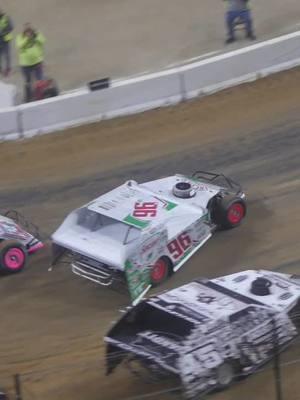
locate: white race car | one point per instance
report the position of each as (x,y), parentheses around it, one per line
(142,233)
(209,332)
(18,239)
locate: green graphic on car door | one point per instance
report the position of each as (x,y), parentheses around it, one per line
(138,267)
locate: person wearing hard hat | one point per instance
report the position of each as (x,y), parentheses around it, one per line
(238,10)
(6,28)
(30,44)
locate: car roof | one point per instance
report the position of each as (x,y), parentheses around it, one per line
(120,202)
(203,300)
(200,301)
(284,288)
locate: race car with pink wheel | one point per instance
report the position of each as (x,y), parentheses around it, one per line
(18,239)
(140,234)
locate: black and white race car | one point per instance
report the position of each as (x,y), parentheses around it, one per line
(209,331)
(18,240)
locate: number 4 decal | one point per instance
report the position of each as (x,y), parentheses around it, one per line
(180,245)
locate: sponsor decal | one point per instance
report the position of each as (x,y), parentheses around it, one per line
(13,231)
(150,245)
(137,267)
(138,278)
(249,338)
(160,340)
(136,222)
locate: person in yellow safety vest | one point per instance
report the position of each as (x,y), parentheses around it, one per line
(6,36)
(30,44)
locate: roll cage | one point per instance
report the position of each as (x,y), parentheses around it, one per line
(218,179)
(20,220)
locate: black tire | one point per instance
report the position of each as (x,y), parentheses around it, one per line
(163,267)
(228,212)
(13,257)
(225,375)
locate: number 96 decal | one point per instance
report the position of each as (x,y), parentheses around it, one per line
(180,245)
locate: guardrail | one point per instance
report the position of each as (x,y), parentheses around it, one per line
(152,90)
(9,126)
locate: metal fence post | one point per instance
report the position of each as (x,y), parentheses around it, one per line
(277,371)
(17,379)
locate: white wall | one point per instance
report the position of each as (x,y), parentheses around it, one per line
(8,95)
(153,90)
(9,124)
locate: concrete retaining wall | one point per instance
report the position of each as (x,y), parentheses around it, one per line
(153,90)
(243,64)
(9,124)
(84,107)
(8,94)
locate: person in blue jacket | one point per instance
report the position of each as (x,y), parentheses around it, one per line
(238,10)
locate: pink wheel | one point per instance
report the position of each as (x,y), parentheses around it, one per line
(13,256)
(160,271)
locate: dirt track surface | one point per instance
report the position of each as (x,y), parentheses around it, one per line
(52,323)
(91,39)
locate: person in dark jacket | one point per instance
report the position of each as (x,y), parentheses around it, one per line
(238,10)
(6,36)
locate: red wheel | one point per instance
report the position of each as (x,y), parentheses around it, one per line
(13,257)
(228,212)
(160,271)
(235,213)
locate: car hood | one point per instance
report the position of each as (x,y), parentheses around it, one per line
(94,245)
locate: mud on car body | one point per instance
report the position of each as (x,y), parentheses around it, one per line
(142,233)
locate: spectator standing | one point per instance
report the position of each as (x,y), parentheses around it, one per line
(30,45)
(238,9)
(6,36)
